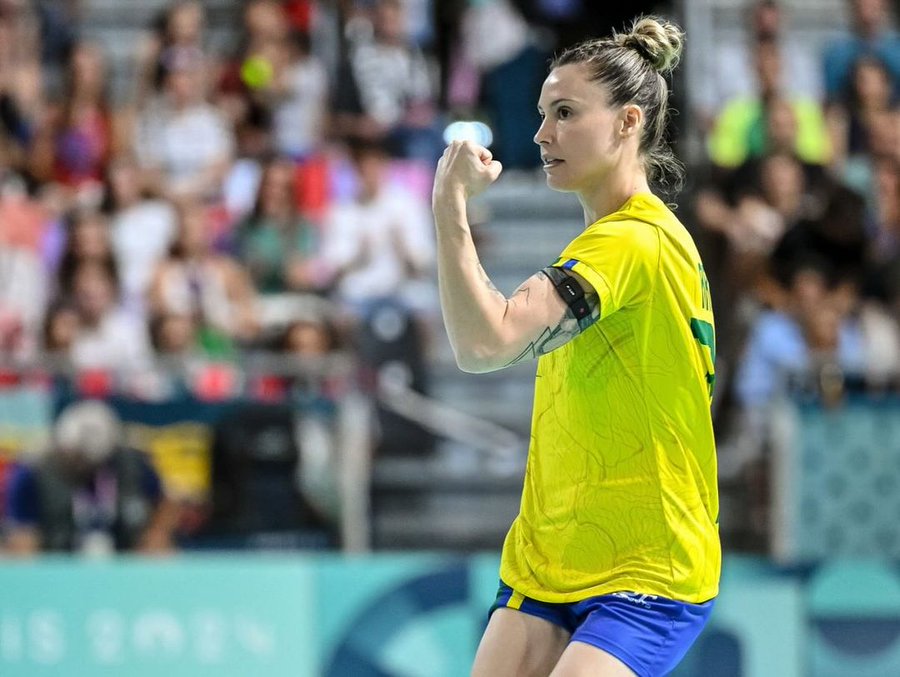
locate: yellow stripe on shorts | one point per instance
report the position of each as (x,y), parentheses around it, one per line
(515,600)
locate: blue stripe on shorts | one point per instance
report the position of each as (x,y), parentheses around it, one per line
(649,634)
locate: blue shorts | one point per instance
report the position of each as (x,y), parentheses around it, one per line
(647,633)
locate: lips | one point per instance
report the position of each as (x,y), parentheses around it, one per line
(551,162)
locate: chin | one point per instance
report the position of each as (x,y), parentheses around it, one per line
(559,185)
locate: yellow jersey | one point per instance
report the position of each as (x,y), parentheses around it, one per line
(620,488)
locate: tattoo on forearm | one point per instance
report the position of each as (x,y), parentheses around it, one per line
(554,337)
(487,280)
(540,346)
(522,294)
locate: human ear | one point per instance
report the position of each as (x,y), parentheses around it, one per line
(631,119)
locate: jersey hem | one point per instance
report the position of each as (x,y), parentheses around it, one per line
(701,597)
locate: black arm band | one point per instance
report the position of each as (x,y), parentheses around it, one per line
(570,291)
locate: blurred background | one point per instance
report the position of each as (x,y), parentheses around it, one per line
(233,439)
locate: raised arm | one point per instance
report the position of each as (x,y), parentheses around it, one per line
(487,330)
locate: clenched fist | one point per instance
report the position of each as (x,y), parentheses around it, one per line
(465,168)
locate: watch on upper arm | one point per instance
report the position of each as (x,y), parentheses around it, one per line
(570,290)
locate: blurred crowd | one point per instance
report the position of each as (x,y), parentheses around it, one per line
(182,203)
(798,211)
(165,203)
(192,203)
(170,220)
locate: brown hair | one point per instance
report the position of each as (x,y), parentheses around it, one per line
(631,66)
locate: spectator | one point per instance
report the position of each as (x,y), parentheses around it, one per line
(253,136)
(247,93)
(213,288)
(861,123)
(760,217)
(836,235)
(309,340)
(181,364)
(812,330)
(180,27)
(380,244)
(813,342)
(742,128)
(184,145)
(777,136)
(142,229)
(109,338)
(300,89)
(264,21)
(21,77)
(248,77)
(870,93)
(76,138)
(385,93)
(87,240)
(309,337)
(871,35)
(727,69)
(89,493)
(278,246)
(743,218)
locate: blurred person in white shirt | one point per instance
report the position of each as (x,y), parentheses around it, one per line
(142,228)
(184,145)
(108,337)
(380,245)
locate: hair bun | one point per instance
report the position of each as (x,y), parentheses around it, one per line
(658,41)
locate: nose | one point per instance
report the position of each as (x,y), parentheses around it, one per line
(542,134)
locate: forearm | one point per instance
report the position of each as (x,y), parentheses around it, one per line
(472,306)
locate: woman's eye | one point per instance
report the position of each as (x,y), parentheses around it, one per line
(563,113)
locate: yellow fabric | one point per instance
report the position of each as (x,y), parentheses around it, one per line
(515,600)
(620,488)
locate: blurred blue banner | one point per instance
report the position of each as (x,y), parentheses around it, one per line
(184,617)
(415,615)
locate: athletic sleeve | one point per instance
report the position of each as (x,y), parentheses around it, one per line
(619,259)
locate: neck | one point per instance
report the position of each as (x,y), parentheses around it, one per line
(608,196)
